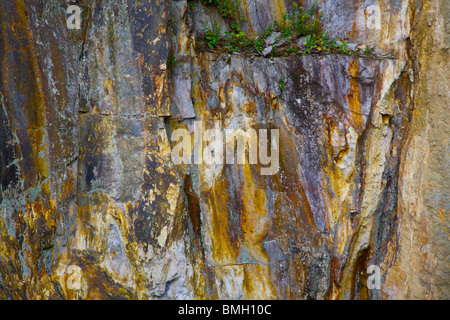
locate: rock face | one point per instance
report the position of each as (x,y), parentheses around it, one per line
(94,207)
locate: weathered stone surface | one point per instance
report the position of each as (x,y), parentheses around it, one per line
(93,207)
(272,38)
(267,51)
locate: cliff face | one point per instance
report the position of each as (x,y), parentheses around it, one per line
(93,205)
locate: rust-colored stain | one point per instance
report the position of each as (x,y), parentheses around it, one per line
(224,250)
(354,97)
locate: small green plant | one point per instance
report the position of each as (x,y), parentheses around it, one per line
(237,40)
(292,50)
(212,35)
(171,62)
(293,25)
(368,50)
(282,83)
(343,47)
(275,51)
(286,27)
(268,32)
(259,44)
(311,43)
